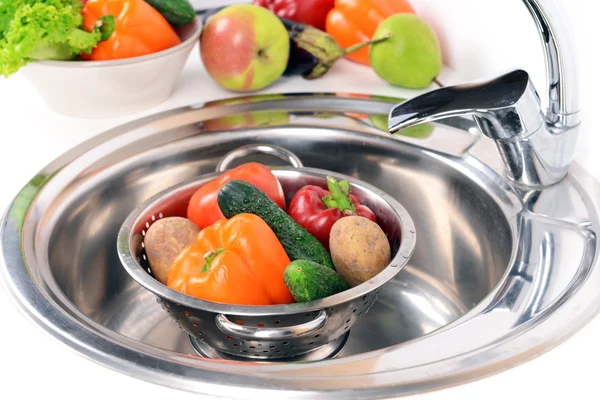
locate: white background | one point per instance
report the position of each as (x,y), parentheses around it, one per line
(480,37)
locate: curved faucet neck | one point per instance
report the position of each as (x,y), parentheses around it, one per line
(536,147)
(561,74)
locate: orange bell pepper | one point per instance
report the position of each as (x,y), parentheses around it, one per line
(236,261)
(355,21)
(139,29)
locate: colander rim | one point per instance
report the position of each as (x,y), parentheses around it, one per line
(126,235)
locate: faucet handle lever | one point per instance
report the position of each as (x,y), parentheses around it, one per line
(504,108)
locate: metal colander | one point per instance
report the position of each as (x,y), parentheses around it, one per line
(266,332)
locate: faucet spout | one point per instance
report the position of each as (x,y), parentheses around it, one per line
(561,74)
(537,147)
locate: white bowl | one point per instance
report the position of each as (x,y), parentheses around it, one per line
(105,89)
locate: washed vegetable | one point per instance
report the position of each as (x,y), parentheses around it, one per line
(314,52)
(309,12)
(139,29)
(237,261)
(164,240)
(237,197)
(203,208)
(359,249)
(354,21)
(317,209)
(308,281)
(244,47)
(42,30)
(176,12)
(411,57)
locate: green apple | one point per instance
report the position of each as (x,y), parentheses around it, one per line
(411,57)
(245,47)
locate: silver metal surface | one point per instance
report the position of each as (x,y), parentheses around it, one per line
(277,331)
(537,148)
(320,353)
(499,274)
(242,151)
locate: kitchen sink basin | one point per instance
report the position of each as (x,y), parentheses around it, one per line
(499,273)
(464,247)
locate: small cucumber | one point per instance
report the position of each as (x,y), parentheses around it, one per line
(237,197)
(309,281)
(176,12)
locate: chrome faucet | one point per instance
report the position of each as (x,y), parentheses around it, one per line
(537,147)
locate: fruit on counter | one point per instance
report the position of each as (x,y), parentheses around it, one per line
(411,57)
(354,21)
(164,240)
(139,30)
(176,12)
(49,30)
(313,52)
(308,281)
(359,249)
(317,209)
(203,208)
(236,261)
(309,12)
(244,47)
(237,197)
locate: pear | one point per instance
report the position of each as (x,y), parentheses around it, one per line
(411,57)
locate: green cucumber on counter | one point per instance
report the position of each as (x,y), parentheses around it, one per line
(176,12)
(238,197)
(308,281)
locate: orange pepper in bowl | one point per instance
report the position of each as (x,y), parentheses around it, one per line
(139,29)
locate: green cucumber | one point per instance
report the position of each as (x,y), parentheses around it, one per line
(238,197)
(176,12)
(308,281)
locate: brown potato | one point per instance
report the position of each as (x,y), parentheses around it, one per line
(164,241)
(359,249)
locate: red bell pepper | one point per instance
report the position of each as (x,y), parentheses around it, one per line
(309,12)
(317,209)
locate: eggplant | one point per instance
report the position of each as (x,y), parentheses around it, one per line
(312,51)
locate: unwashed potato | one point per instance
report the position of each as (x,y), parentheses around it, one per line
(359,249)
(164,241)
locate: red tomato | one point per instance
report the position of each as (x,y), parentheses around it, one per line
(203,208)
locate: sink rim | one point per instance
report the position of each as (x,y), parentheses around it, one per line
(40,309)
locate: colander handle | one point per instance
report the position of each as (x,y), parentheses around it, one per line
(279,152)
(262,333)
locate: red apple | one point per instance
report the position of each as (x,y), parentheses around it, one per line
(245,47)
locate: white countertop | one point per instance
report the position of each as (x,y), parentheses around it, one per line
(35,364)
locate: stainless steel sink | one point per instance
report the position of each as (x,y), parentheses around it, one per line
(505,267)
(499,274)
